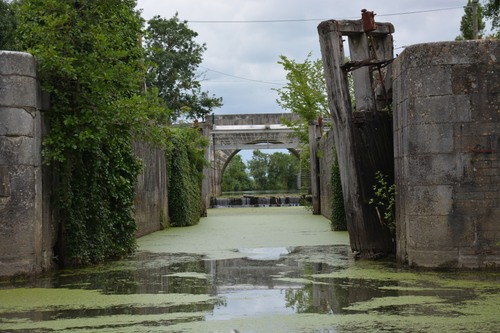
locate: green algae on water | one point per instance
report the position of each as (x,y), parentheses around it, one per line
(31,299)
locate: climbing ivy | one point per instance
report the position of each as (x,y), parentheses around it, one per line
(95,197)
(338,220)
(185,162)
(91,64)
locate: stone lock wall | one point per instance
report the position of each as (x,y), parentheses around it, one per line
(25,245)
(151,198)
(447,149)
(27,212)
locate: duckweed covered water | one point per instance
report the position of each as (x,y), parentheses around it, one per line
(255,270)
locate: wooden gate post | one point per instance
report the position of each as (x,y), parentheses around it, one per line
(368,236)
(206,182)
(314,135)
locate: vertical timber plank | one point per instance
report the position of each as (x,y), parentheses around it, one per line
(313,153)
(340,108)
(358,49)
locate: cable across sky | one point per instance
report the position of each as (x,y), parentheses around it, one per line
(319,19)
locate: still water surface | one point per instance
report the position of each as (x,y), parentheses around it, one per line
(255,270)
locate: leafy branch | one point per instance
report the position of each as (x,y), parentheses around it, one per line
(384,201)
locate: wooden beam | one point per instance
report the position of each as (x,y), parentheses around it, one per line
(333,56)
(353,27)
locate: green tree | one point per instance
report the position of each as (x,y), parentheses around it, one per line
(277,171)
(304,94)
(259,166)
(466,23)
(235,176)
(173,57)
(7,26)
(91,63)
(283,170)
(492,12)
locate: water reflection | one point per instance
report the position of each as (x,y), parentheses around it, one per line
(178,292)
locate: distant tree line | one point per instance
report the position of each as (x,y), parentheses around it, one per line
(277,171)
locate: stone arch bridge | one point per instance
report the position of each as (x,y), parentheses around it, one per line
(229,134)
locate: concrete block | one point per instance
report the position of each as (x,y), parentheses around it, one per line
(431,138)
(465,79)
(19,215)
(430,232)
(17,63)
(442,109)
(4,181)
(434,169)
(19,91)
(20,150)
(430,200)
(450,53)
(433,258)
(487,98)
(429,81)
(16,122)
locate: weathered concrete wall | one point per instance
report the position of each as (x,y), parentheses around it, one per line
(151,200)
(447,149)
(27,213)
(24,246)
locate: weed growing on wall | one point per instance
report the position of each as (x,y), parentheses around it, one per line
(384,201)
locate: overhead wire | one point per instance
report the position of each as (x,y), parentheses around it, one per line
(241,77)
(319,19)
(300,20)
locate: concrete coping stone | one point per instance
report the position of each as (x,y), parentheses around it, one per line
(17,63)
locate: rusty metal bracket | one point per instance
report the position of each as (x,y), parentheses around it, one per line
(353,65)
(368,19)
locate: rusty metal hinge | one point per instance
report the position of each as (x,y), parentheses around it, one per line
(353,65)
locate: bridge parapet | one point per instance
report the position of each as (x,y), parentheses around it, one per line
(250,119)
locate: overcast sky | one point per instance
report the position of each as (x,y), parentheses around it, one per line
(242,51)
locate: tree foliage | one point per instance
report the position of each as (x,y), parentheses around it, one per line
(466,23)
(283,171)
(258,166)
(277,171)
(91,63)
(235,176)
(7,26)
(492,12)
(304,94)
(173,57)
